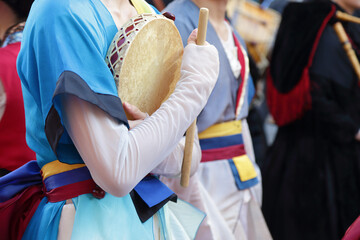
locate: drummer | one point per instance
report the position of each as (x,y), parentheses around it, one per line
(77,126)
(227,185)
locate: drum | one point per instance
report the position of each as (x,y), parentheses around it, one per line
(145,58)
(257,26)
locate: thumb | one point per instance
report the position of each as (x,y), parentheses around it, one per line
(193,36)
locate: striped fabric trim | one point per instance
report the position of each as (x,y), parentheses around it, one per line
(66,178)
(222,153)
(73,190)
(225,141)
(64,181)
(56,167)
(221,142)
(142,7)
(222,130)
(245,79)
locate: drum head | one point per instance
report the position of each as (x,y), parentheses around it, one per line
(150,68)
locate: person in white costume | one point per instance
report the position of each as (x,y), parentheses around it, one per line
(227,185)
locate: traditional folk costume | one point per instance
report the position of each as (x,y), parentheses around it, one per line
(311,178)
(71,101)
(14,151)
(227,185)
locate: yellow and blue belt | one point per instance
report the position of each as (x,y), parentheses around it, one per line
(64,181)
(225,141)
(60,181)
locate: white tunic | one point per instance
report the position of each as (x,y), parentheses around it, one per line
(231,213)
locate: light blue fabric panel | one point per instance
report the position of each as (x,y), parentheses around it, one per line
(114,218)
(45,222)
(182,220)
(109,218)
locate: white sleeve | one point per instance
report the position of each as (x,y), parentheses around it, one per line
(171,166)
(117,158)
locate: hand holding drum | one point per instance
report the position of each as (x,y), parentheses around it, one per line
(185,169)
(147,83)
(145,63)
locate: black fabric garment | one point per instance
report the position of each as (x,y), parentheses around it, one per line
(295,38)
(143,210)
(294,41)
(256,121)
(254,70)
(20,7)
(311,177)
(3,172)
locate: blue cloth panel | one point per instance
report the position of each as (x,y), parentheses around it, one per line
(240,184)
(109,218)
(152,191)
(45,222)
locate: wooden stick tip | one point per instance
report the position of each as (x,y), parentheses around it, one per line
(204,10)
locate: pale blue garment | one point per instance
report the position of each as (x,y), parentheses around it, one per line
(121,221)
(114,218)
(178,220)
(63,50)
(44,224)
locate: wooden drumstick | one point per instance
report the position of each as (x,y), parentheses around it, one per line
(340,31)
(347,17)
(190,133)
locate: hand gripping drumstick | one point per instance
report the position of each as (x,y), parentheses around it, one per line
(340,31)
(189,140)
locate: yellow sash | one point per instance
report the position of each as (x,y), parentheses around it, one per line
(243,163)
(56,167)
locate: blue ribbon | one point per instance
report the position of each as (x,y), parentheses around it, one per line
(19,179)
